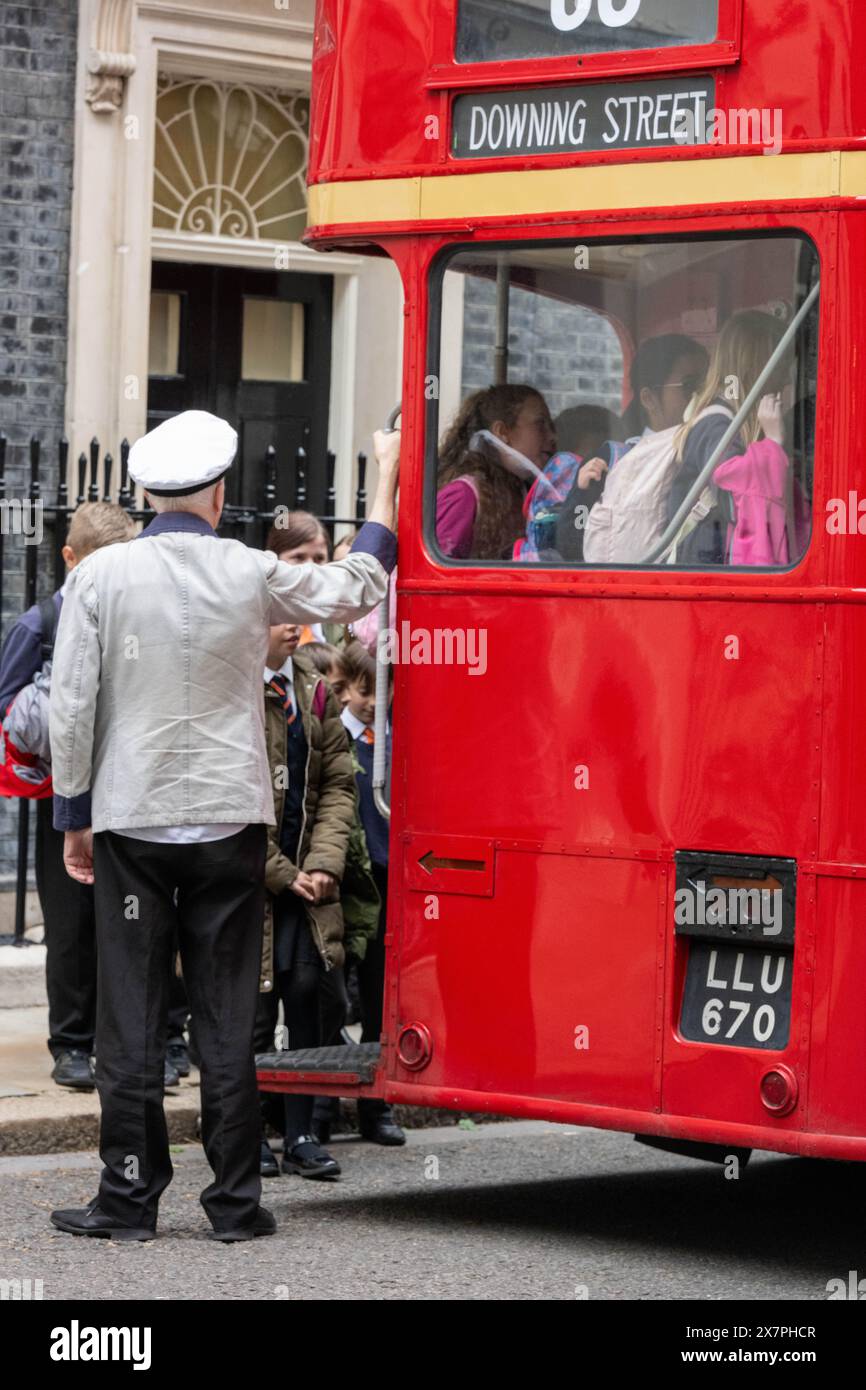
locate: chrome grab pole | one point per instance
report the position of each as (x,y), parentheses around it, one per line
(661,548)
(501,349)
(383,674)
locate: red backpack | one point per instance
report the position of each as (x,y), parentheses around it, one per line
(18,770)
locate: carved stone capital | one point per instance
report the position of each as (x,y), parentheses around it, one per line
(108,71)
(110,62)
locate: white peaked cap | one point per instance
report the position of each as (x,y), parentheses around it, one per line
(185,454)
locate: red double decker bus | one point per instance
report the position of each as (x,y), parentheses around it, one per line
(628,849)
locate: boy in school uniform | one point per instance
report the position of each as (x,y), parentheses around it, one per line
(375,1117)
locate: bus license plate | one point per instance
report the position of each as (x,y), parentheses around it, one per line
(737,998)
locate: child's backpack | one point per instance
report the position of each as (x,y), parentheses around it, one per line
(542,504)
(24,773)
(632,515)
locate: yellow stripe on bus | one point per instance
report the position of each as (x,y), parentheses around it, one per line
(594,188)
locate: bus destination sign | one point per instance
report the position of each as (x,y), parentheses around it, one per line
(575,120)
(490,31)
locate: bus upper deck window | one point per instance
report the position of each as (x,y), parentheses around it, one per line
(627,404)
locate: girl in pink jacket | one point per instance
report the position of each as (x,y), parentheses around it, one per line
(762,491)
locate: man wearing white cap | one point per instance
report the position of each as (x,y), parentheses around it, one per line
(162,785)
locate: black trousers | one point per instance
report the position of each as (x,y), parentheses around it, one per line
(218,923)
(298,989)
(334,1004)
(70,948)
(371,986)
(178,1005)
(333,1012)
(70,941)
(371,971)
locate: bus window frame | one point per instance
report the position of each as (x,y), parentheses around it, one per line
(447,74)
(434,280)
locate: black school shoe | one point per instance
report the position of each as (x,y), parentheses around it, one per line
(263,1225)
(268,1166)
(381,1128)
(177,1054)
(309,1160)
(90,1221)
(74,1068)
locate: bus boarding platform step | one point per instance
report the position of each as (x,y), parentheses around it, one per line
(354,1063)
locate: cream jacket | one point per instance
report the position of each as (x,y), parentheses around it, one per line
(156,715)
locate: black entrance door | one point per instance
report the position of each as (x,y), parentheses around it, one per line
(255,348)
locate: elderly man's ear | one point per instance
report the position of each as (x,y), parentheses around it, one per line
(219,500)
(216,502)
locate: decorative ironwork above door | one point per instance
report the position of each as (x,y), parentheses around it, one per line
(230,160)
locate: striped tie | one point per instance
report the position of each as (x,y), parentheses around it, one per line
(281,685)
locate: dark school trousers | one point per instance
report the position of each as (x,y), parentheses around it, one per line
(371,987)
(297,968)
(218,920)
(333,1012)
(70,941)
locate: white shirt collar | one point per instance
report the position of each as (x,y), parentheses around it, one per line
(286,670)
(355,727)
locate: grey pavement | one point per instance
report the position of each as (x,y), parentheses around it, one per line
(36,1115)
(513,1211)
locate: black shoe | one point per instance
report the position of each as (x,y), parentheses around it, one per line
(263,1225)
(177,1054)
(309,1160)
(268,1167)
(382,1128)
(171,1077)
(73,1068)
(90,1221)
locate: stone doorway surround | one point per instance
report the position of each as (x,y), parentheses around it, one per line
(124,45)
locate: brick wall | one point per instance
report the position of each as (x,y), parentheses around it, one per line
(569,353)
(37,91)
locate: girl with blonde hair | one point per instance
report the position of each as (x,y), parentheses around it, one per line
(745,345)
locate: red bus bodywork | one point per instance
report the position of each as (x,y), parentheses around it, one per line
(570,923)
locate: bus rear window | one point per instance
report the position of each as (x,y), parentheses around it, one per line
(495,32)
(625,404)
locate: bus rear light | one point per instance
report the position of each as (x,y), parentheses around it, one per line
(779,1090)
(414,1046)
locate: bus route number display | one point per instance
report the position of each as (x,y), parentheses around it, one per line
(491,31)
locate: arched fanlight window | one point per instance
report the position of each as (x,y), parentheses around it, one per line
(231,160)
